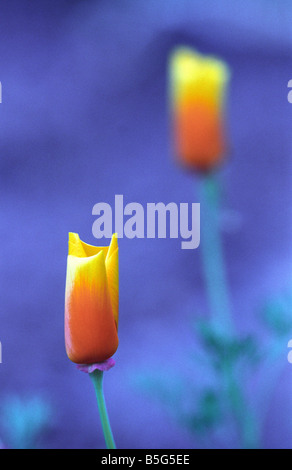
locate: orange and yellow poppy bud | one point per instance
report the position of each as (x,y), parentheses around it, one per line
(198,87)
(91,301)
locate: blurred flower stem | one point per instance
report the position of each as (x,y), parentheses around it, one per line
(212,255)
(219,303)
(244,418)
(97,379)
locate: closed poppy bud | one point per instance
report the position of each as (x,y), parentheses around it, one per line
(198,86)
(91,301)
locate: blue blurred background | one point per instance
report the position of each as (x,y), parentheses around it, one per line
(84,117)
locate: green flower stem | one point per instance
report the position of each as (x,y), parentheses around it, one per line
(97,377)
(246,423)
(212,253)
(219,301)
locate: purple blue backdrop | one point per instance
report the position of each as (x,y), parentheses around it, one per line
(84,117)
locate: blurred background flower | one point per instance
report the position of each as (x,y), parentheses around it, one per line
(85,116)
(198,100)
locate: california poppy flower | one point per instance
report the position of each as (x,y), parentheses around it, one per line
(198,86)
(91,301)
